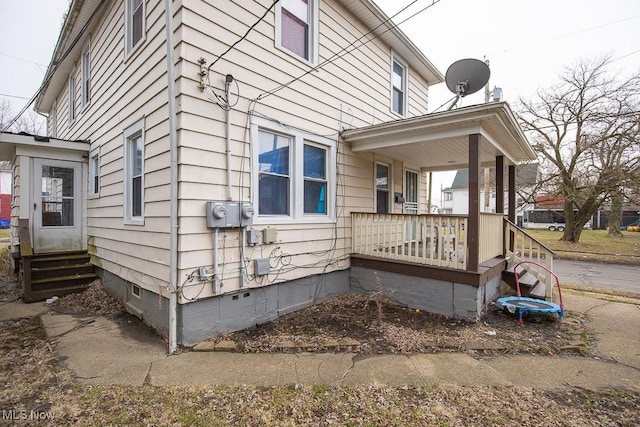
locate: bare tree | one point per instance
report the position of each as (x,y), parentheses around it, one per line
(585,131)
(28,122)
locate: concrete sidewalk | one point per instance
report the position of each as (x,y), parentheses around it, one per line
(100,350)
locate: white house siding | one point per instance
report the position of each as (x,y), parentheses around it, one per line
(353,91)
(125,89)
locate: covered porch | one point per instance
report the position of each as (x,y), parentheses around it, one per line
(450,250)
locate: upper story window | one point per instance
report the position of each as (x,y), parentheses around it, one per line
(86,78)
(295,174)
(73,107)
(398,88)
(135,18)
(134,173)
(297,28)
(94,173)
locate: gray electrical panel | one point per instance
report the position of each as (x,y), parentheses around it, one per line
(229,214)
(253,237)
(261,266)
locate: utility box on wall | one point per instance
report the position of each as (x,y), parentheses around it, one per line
(229,214)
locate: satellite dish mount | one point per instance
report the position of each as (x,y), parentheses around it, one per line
(465,77)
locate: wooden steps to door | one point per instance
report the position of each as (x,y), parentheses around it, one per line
(55,274)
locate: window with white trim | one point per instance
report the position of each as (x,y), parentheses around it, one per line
(134,173)
(86,78)
(294,179)
(297,28)
(72,97)
(94,173)
(398,88)
(135,17)
(383,187)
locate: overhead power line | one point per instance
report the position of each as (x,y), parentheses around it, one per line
(55,68)
(344,51)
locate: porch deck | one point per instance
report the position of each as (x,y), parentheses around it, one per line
(436,247)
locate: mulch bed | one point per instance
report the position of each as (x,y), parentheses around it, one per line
(383,327)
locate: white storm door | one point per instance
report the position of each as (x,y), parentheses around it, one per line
(57,205)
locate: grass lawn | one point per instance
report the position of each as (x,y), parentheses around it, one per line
(593,245)
(4,233)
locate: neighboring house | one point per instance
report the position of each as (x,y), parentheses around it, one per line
(455,198)
(222,191)
(5,194)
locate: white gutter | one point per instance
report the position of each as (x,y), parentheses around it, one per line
(173,201)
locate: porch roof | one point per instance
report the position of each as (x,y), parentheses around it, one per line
(10,141)
(440,141)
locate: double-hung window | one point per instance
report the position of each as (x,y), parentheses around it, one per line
(135,19)
(398,88)
(294,179)
(86,78)
(72,97)
(297,28)
(134,173)
(94,173)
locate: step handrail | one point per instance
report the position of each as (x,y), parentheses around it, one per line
(545,268)
(521,230)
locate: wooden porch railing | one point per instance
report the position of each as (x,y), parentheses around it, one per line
(426,239)
(491,240)
(520,246)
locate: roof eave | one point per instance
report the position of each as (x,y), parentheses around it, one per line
(370,14)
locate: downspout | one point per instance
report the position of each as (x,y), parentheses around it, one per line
(227,84)
(173,200)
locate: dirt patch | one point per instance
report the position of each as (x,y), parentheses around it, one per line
(29,367)
(93,301)
(369,328)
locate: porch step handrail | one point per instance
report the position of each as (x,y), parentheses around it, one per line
(521,246)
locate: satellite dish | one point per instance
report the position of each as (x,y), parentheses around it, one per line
(465,77)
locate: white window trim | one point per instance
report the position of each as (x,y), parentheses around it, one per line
(129,49)
(73,107)
(405,99)
(298,139)
(129,133)
(95,153)
(388,164)
(314,33)
(86,78)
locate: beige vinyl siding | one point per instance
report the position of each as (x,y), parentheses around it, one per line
(353,91)
(124,90)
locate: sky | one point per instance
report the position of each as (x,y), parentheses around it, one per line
(527,42)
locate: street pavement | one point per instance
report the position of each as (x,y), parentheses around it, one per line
(589,274)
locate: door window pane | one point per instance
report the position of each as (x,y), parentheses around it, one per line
(382,188)
(57,196)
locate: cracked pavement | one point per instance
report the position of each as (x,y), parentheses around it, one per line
(101,351)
